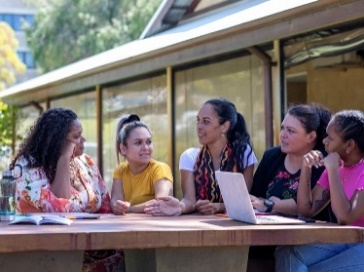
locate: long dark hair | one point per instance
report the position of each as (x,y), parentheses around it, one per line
(313,117)
(43,145)
(237,135)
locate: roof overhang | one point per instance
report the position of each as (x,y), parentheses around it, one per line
(231,28)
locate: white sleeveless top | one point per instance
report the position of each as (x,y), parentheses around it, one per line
(188,158)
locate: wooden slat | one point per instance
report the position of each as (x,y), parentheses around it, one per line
(135,231)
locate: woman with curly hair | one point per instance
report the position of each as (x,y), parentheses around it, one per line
(55,176)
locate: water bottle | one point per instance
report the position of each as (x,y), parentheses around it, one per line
(7,194)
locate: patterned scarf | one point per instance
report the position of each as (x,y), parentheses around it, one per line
(204,173)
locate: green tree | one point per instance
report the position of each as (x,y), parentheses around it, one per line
(66,31)
(10,66)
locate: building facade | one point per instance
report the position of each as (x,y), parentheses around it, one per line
(261,55)
(15,13)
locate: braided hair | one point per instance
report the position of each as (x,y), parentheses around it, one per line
(350,125)
(45,140)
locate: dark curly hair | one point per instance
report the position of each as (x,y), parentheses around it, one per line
(43,145)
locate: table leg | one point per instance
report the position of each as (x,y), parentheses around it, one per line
(212,259)
(42,261)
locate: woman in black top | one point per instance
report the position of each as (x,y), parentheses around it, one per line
(276,179)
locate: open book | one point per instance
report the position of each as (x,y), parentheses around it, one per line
(38,219)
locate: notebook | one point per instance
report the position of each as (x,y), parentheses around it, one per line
(237,201)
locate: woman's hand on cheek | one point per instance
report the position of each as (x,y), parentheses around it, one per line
(69,150)
(332,160)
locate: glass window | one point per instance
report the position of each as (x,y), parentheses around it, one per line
(8,19)
(84,105)
(148,99)
(27,58)
(239,80)
(29,61)
(29,19)
(16,21)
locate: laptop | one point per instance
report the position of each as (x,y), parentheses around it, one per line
(237,201)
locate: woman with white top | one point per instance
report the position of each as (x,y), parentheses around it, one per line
(226,146)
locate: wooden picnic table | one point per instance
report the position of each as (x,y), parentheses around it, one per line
(181,243)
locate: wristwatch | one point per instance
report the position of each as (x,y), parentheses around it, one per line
(269,204)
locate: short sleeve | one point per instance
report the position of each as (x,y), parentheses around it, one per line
(250,157)
(117,172)
(160,170)
(361,182)
(34,194)
(324,180)
(188,158)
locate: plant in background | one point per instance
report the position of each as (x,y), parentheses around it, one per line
(6,134)
(66,31)
(10,66)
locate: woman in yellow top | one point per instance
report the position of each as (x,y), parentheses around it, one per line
(139,179)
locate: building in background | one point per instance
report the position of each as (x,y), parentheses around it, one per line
(262,55)
(15,13)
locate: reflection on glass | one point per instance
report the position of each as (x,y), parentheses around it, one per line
(146,98)
(239,80)
(84,105)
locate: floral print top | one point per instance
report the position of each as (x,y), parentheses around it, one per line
(284,184)
(33,189)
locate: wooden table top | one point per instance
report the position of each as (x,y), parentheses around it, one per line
(137,231)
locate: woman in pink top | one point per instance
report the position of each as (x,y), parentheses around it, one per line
(342,183)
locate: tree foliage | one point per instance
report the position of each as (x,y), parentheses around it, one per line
(10,64)
(6,124)
(66,31)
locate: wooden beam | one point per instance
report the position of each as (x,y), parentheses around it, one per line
(170,116)
(268,96)
(99,128)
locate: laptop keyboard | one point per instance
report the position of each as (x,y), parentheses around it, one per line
(266,219)
(274,219)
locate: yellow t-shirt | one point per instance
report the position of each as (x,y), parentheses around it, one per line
(140,188)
